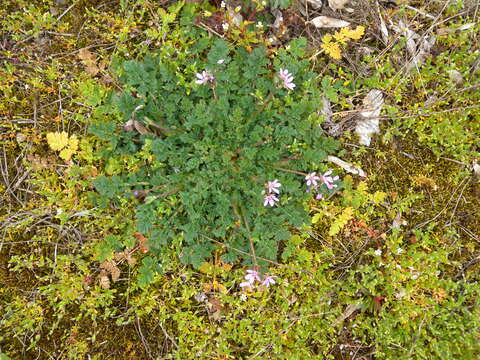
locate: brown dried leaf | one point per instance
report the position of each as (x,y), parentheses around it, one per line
(111,268)
(140,128)
(131,260)
(119,256)
(37,162)
(125,255)
(89,61)
(215,309)
(103,280)
(142,242)
(216,304)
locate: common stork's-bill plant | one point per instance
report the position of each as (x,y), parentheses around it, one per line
(209,130)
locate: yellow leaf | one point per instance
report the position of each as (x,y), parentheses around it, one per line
(342,35)
(341,221)
(316,218)
(66,154)
(327,38)
(57,141)
(357,33)
(61,142)
(378,197)
(333,50)
(206,268)
(73,143)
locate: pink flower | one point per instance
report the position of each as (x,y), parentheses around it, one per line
(246,284)
(318,196)
(273,186)
(251,277)
(268,281)
(287,79)
(204,77)
(328,180)
(270,199)
(312,179)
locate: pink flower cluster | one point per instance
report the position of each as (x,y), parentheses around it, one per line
(254,276)
(272,189)
(287,79)
(312,180)
(204,77)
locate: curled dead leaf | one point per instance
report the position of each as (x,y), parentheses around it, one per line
(476,168)
(141,129)
(348,167)
(328,22)
(369,125)
(337,4)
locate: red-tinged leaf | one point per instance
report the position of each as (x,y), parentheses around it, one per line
(377,303)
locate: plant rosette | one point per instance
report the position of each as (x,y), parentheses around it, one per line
(223,142)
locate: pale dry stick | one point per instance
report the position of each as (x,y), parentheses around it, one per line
(60,106)
(392,44)
(443,210)
(429,113)
(250,241)
(420,12)
(35,112)
(461,272)
(422,37)
(168,336)
(65,55)
(444,96)
(387,117)
(293,322)
(453,160)
(145,345)
(56,21)
(20,180)
(416,336)
(58,34)
(4,170)
(66,11)
(205,27)
(258,257)
(458,200)
(469,233)
(420,76)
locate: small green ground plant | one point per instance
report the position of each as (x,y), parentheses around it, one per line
(219,143)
